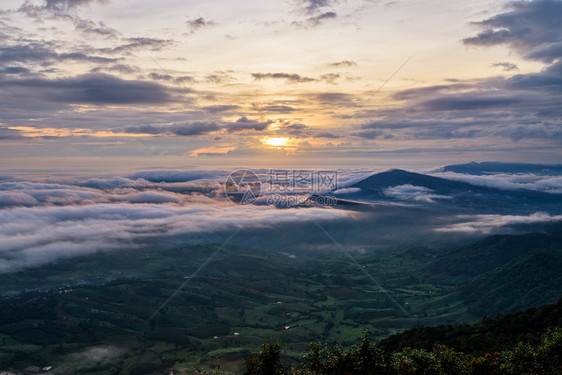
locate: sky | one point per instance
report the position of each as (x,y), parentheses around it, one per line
(119,86)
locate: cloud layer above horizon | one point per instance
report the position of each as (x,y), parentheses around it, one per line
(78,80)
(45,220)
(42,222)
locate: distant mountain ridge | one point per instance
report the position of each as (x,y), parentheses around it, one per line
(398,185)
(491,167)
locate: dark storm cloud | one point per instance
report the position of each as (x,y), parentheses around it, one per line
(290,77)
(88,88)
(532,28)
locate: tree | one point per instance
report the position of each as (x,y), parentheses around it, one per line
(268,361)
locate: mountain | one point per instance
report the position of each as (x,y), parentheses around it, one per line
(477,258)
(530,281)
(502,272)
(401,186)
(479,169)
(487,335)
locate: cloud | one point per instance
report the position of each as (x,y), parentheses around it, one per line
(151,197)
(509,181)
(66,10)
(45,54)
(334,98)
(94,88)
(296,78)
(290,77)
(64,5)
(219,78)
(185,128)
(532,28)
(413,193)
(96,28)
(327,135)
(14,198)
(55,7)
(220,108)
(193,128)
(196,24)
(119,68)
(317,20)
(314,6)
(520,108)
(113,183)
(178,176)
(343,63)
(486,224)
(7,133)
(38,235)
(140,43)
(506,66)
(346,191)
(369,134)
(14,70)
(330,77)
(277,109)
(479,100)
(244,123)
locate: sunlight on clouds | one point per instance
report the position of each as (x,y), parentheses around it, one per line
(211,150)
(276,142)
(28,131)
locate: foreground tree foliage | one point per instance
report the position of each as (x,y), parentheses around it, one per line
(268,361)
(366,359)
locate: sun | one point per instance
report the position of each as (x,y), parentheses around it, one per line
(276,142)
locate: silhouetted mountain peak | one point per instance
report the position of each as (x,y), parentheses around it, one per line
(398,177)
